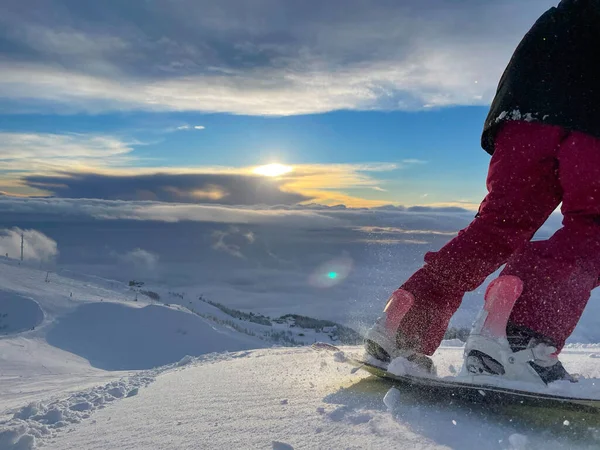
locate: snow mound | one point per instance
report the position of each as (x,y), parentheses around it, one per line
(114,336)
(18,313)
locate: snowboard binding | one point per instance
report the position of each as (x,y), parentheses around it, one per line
(523,355)
(383,341)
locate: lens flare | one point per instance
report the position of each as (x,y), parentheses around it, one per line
(332,272)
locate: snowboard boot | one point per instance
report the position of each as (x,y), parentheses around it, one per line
(499,348)
(522,338)
(525,356)
(384,341)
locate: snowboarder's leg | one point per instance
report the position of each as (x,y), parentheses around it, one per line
(559,273)
(523,191)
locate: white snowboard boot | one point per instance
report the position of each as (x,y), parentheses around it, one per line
(383,341)
(498,348)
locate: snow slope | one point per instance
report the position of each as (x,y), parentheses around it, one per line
(69,333)
(84,365)
(113,336)
(60,334)
(281,399)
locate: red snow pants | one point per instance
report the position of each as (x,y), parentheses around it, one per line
(534,168)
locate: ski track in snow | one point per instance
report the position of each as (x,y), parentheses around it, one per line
(40,422)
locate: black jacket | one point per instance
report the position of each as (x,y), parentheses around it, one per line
(554,74)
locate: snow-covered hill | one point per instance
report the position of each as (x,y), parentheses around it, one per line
(282,399)
(62,332)
(92,363)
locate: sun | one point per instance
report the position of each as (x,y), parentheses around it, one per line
(272,170)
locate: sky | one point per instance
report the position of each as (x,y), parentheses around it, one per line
(270,102)
(244,151)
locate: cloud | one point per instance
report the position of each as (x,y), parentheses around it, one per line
(394,241)
(310,216)
(88,166)
(228,189)
(103,166)
(141,260)
(329,184)
(232,241)
(439,209)
(22,154)
(36,245)
(244,58)
(187,127)
(375,230)
(68,149)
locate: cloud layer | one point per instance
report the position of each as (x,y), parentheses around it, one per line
(311,216)
(263,58)
(225,189)
(23,154)
(275,260)
(105,167)
(101,166)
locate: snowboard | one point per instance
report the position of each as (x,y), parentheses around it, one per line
(447,389)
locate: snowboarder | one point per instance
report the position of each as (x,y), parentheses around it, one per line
(543,132)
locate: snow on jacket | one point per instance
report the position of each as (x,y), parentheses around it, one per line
(554,74)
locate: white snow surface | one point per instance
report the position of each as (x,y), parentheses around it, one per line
(85,366)
(270,398)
